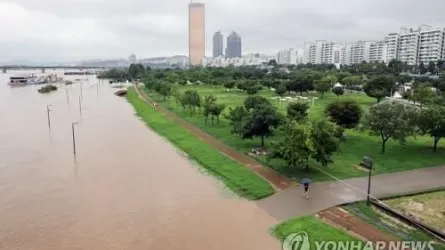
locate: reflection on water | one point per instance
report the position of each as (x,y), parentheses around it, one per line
(126,189)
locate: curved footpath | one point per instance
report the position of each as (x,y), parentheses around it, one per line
(277,180)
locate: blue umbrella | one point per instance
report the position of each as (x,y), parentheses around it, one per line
(306,181)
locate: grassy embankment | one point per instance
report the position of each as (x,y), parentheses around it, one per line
(236,177)
(417,153)
(316,229)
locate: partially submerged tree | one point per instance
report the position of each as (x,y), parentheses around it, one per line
(394,120)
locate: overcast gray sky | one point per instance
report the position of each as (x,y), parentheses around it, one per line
(70,30)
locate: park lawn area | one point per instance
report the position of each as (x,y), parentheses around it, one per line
(417,152)
(390,225)
(316,229)
(236,177)
(429,207)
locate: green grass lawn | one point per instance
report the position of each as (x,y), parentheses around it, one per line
(387,224)
(429,207)
(416,153)
(316,229)
(238,178)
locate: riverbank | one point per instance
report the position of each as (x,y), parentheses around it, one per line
(237,178)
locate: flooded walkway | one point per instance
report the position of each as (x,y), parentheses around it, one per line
(127,189)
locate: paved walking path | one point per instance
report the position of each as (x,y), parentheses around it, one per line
(291,203)
(279,181)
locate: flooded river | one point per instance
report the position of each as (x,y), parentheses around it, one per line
(127,188)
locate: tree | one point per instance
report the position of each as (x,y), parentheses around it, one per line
(379,87)
(258,122)
(432,68)
(273,63)
(391,120)
(297,111)
(322,87)
(423,94)
(281,90)
(255,101)
(432,122)
(165,90)
(345,113)
(136,71)
(316,140)
(209,101)
(229,85)
(326,141)
(352,81)
(238,117)
(191,99)
(422,68)
(338,91)
(252,90)
(296,148)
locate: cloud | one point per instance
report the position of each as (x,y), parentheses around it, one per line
(82,29)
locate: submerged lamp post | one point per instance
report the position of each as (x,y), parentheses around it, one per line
(47,112)
(74,138)
(368,164)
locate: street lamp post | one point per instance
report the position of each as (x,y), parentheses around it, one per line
(368,163)
(74,137)
(47,112)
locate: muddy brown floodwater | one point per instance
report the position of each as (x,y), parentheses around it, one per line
(127,189)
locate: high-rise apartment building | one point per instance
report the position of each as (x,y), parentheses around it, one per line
(288,57)
(423,45)
(431,47)
(323,52)
(392,42)
(218,44)
(407,47)
(233,45)
(196,33)
(378,51)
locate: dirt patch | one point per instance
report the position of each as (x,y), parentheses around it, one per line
(361,168)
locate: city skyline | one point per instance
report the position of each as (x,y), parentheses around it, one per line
(55,31)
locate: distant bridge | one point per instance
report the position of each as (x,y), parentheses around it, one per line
(5,68)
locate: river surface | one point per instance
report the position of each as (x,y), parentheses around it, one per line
(127,188)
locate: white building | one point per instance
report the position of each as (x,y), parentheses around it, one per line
(322,52)
(392,42)
(287,57)
(132,59)
(378,52)
(431,47)
(408,46)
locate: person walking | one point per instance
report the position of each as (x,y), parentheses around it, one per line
(306,182)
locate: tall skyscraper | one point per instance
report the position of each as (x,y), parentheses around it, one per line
(233,45)
(218,44)
(196,33)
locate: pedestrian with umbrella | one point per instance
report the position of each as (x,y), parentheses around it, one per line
(306,182)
